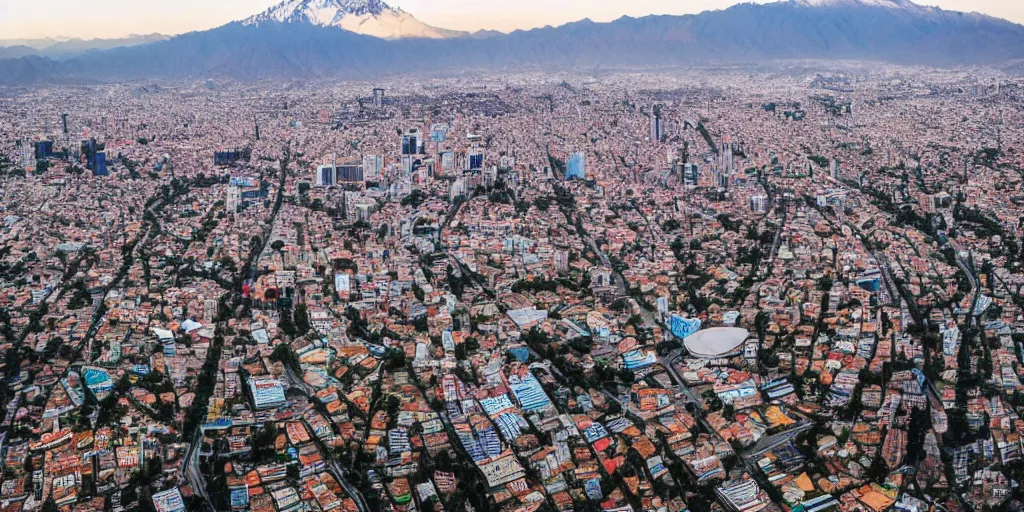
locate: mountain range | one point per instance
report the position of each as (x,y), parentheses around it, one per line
(63,48)
(304,39)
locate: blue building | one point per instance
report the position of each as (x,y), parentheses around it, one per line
(476,161)
(95,157)
(222,158)
(412,144)
(267,393)
(89,151)
(44,149)
(99,164)
(349,173)
(576,167)
(683,327)
(325,176)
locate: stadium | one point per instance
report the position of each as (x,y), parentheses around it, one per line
(716,342)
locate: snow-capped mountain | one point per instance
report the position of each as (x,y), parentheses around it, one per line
(368,17)
(888,4)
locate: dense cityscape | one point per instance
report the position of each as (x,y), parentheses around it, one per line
(793,289)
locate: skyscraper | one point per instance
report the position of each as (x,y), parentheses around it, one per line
(561,260)
(475,158)
(100,164)
(96,158)
(759,203)
(657,129)
(728,160)
(447,160)
(372,166)
(378,97)
(26,156)
(576,167)
(412,144)
(234,195)
(476,161)
(691,173)
(44,149)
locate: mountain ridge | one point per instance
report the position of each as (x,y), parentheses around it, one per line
(744,33)
(62,48)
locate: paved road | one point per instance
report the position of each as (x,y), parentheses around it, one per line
(192,472)
(340,472)
(778,237)
(975,284)
(648,318)
(771,442)
(669,362)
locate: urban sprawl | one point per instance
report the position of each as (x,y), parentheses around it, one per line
(787,290)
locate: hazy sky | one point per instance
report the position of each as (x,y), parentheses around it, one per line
(117,18)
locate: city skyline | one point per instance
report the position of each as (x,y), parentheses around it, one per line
(105,19)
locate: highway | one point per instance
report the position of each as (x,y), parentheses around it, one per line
(192,472)
(669,362)
(975,284)
(768,443)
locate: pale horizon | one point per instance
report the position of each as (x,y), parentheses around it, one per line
(107,19)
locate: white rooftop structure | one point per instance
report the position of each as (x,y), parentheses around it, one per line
(716,341)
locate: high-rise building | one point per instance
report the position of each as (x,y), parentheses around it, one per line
(378,97)
(561,261)
(490,176)
(458,188)
(328,175)
(438,132)
(722,179)
(210,310)
(351,172)
(476,159)
(576,167)
(759,203)
(325,176)
(234,195)
(373,165)
(691,174)
(728,163)
(100,164)
(95,157)
(44,149)
(26,156)
(657,128)
(223,158)
(412,144)
(448,161)
(835,168)
(407,165)
(88,151)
